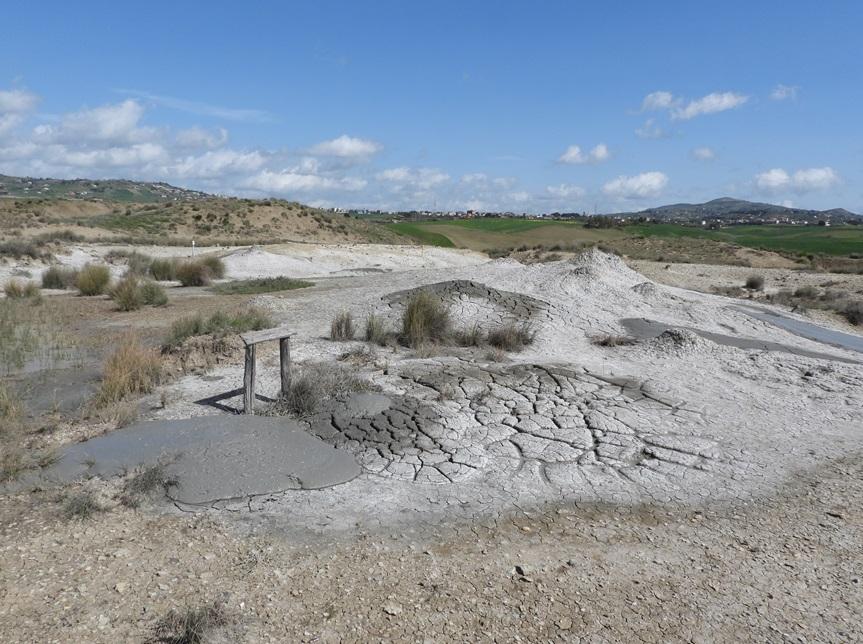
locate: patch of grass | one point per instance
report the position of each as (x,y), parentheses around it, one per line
(132,369)
(164,270)
(21,289)
(421,234)
(315,384)
(219,323)
(192,625)
(376,330)
(60,277)
(93,279)
(215,265)
(32,329)
(127,294)
(263,285)
(611,340)
(473,336)
(145,483)
(152,294)
(19,248)
(425,319)
(81,505)
(853,312)
(511,336)
(754,283)
(342,326)
(194,273)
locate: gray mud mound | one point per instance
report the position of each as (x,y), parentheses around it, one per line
(212,458)
(472,301)
(574,429)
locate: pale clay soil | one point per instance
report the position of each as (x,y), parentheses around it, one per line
(675,490)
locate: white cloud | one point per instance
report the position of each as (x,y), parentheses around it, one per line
(520,196)
(346,147)
(710,104)
(565,191)
(646,184)
(198,137)
(574,155)
(703,153)
(414,178)
(15,104)
(804,180)
(784,92)
(107,125)
(651,130)
(217,163)
(289,181)
(658,101)
(137,155)
(202,109)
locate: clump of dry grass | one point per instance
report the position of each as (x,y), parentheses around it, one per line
(611,340)
(376,330)
(131,369)
(21,289)
(425,319)
(342,326)
(81,505)
(144,484)
(93,279)
(130,294)
(511,336)
(754,283)
(164,270)
(315,384)
(200,272)
(219,323)
(192,625)
(59,277)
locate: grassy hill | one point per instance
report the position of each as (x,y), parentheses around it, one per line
(119,190)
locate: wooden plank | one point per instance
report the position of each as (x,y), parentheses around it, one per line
(285,364)
(277,333)
(249,381)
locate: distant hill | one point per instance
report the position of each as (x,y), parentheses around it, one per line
(728,210)
(119,190)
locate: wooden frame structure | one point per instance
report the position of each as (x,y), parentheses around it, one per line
(251,340)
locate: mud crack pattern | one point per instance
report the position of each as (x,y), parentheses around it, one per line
(573,429)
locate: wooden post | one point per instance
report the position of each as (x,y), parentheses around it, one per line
(285,364)
(249,381)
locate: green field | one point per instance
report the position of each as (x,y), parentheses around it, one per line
(494,233)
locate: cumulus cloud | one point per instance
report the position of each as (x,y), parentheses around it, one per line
(651,130)
(804,180)
(784,92)
(217,163)
(15,104)
(710,104)
(646,184)
(414,178)
(346,147)
(108,124)
(703,153)
(574,155)
(198,137)
(658,101)
(565,191)
(289,181)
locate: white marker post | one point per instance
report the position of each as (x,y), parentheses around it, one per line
(193,248)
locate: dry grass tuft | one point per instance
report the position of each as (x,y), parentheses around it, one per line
(511,336)
(426,319)
(21,289)
(131,369)
(754,283)
(314,385)
(130,294)
(376,330)
(610,340)
(342,326)
(192,625)
(219,324)
(163,270)
(81,505)
(60,277)
(144,484)
(93,279)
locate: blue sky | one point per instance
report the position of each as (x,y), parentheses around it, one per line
(523,106)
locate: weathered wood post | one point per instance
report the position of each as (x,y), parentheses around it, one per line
(285,364)
(249,381)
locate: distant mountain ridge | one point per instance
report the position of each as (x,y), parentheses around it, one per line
(727,210)
(107,190)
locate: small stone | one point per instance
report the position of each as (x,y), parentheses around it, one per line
(564,623)
(392,609)
(121,587)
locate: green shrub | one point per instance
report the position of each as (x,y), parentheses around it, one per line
(425,319)
(19,289)
(153,294)
(164,270)
(59,277)
(93,279)
(342,327)
(853,312)
(131,369)
(127,294)
(315,384)
(138,264)
(262,285)
(215,264)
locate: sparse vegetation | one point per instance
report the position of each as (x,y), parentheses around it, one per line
(194,273)
(145,483)
(131,369)
(315,384)
(611,340)
(163,270)
(152,294)
(511,336)
(342,326)
(853,312)
(215,265)
(93,279)
(754,283)
(21,289)
(81,505)
(264,285)
(219,323)
(425,319)
(376,330)
(59,277)
(130,294)
(192,625)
